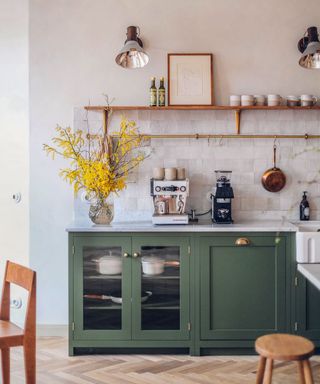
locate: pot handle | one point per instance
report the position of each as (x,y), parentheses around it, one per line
(172,263)
(97,297)
(274,156)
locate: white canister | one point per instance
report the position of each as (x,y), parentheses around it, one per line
(235,100)
(274,100)
(158,173)
(260,100)
(152,265)
(181,173)
(170,173)
(308,100)
(247,100)
(293,101)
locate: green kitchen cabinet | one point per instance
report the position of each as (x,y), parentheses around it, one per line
(154,309)
(242,286)
(213,294)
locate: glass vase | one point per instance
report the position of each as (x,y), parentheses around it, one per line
(101,211)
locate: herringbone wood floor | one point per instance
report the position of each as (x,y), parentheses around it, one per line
(55,367)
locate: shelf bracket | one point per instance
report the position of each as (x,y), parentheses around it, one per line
(237,114)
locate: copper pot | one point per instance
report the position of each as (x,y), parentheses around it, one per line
(273,180)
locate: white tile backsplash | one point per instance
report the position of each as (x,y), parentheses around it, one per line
(247,158)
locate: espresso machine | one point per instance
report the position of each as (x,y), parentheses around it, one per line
(221,198)
(169,201)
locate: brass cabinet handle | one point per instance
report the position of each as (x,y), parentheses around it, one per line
(126,254)
(136,254)
(242,241)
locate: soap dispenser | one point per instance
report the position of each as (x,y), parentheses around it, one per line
(304,208)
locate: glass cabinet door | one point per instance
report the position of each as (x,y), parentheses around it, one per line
(160,287)
(102,287)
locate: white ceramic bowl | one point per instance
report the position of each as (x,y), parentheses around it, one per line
(235,100)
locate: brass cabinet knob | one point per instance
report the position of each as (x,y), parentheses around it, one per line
(242,241)
(126,254)
(136,254)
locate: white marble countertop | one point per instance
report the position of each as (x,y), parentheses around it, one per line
(311,272)
(146,226)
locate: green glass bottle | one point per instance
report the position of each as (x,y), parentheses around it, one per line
(161,93)
(153,93)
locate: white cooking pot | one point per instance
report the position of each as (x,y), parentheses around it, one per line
(109,265)
(152,265)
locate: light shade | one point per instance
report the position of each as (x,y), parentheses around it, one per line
(132,55)
(309,46)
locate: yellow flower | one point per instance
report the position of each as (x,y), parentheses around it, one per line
(99,164)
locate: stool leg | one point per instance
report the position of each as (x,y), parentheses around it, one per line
(301,372)
(269,369)
(261,369)
(307,372)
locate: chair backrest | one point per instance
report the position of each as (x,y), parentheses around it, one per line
(25,278)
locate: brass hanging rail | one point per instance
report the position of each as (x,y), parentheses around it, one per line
(217,136)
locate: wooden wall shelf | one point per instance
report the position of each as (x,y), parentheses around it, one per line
(237,110)
(200,108)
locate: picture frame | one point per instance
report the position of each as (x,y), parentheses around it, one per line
(190,79)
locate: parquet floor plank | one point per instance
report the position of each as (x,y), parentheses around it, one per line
(55,367)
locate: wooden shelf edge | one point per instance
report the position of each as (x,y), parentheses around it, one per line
(200,108)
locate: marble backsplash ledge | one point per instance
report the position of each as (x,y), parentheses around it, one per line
(247,158)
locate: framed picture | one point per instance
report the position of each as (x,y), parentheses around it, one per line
(190,79)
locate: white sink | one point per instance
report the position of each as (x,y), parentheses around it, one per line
(308,242)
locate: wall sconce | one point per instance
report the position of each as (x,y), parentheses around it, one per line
(309,46)
(132,55)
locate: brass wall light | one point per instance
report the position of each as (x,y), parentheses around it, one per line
(309,46)
(132,55)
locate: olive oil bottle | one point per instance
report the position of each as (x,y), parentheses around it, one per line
(153,93)
(304,208)
(161,93)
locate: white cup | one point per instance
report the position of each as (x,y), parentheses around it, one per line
(158,173)
(260,100)
(170,173)
(293,101)
(181,173)
(247,100)
(274,100)
(308,100)
(235,100)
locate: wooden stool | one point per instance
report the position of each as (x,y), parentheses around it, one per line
(284,347)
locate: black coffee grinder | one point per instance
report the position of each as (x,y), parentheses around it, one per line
(221,199)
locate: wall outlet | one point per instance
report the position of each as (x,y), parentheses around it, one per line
(16,303)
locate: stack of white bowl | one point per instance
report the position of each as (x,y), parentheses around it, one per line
(272,100)
(259,100)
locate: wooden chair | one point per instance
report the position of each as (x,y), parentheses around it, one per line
(284,347)
(12,335)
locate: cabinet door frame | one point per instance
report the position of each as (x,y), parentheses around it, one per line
(228,240)
(79,332)
(302,291)
(138,242)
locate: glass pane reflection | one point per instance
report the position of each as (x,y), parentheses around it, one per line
(102,288)
(160,276)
